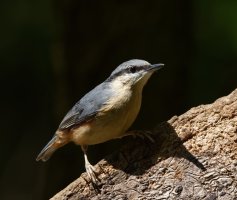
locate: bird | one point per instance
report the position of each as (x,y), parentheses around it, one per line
(104,113)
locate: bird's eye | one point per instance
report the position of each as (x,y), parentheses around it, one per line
(132,69)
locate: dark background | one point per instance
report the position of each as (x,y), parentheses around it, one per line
(53,52)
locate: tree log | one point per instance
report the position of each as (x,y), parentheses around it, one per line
(194,157)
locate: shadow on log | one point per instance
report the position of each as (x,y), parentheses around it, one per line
(194,157)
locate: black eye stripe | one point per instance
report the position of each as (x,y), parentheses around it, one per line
(133,69)
(130,69)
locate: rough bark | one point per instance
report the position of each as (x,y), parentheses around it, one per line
(194,157)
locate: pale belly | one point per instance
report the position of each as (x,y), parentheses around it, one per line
(110,125)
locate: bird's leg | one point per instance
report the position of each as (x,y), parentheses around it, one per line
(89,168)
(141,133)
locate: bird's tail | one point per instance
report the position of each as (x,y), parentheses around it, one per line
(50,148)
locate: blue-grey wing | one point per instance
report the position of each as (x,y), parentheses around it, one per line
(87,107)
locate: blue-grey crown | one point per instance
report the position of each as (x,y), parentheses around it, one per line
(125,65)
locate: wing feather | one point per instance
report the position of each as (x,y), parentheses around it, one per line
(87,108)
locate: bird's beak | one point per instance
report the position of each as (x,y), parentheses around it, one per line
(155,67)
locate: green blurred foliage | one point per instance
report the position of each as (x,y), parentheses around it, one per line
(53,52)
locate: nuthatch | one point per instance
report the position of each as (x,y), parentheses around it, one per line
(105,113)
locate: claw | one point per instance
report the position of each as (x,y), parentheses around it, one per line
(143,135)
(89,168)
(90,171)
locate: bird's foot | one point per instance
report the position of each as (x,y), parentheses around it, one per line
(142,134)
(91,173)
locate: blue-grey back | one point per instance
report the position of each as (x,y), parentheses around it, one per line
(87,107)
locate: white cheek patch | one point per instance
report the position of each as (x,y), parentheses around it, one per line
(125,79)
